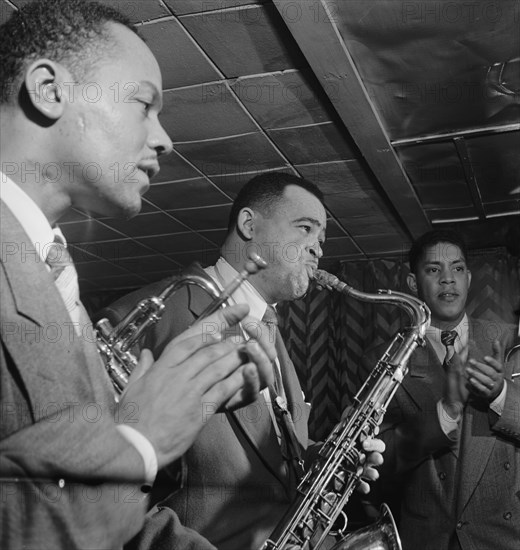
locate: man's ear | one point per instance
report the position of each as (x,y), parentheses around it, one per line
(469,278)
(412,282)
(45,83)
(246,223)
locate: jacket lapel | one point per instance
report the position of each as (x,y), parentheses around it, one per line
(45,345)
(254,421)
(27,275)
(425,380)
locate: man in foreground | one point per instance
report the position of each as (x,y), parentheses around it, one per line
(72,460)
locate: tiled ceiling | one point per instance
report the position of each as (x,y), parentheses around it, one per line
(406,114)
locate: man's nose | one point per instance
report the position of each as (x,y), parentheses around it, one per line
(316,250)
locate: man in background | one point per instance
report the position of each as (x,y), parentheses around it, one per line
(452,431)
(72,460)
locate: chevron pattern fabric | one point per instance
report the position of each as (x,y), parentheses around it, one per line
(326,333)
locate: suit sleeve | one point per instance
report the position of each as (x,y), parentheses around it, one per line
(162,528)
(49,503)
(508,424)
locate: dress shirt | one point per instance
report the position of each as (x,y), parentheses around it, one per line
(41,235)
(461,348)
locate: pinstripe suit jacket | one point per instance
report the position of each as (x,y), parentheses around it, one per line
(69,479)
(460,493)
(237,485)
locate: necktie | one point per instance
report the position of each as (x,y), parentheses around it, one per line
(65,278)
(270,320)
(290,446)
(448,339)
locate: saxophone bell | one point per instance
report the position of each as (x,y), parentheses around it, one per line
(115,343)
(380,535)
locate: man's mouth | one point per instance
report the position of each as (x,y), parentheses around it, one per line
(151,169)
(311,270)
(448,296)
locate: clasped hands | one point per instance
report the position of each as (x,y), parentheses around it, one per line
(200,372)
(484,379)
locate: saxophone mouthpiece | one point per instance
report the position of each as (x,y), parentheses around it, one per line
(324,280)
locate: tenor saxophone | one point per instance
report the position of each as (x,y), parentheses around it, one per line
(329,482)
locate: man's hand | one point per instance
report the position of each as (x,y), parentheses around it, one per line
(374,457)
(257,374)
(486,379)
(455,390)
(197,373)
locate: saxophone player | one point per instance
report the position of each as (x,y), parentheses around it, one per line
(243,469)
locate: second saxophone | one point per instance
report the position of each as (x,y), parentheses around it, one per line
(335,474)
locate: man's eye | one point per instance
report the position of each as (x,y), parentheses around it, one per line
(306,228)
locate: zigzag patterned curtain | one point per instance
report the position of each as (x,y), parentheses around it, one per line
(327,333)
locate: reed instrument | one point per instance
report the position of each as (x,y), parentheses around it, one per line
(115,343)
(334,475)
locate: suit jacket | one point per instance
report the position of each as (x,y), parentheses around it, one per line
(236,485)
(459,492)
(69,479)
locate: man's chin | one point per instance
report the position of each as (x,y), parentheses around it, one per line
(300,289)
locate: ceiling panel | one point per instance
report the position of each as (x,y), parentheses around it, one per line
(284,99)
(434,67)
(244,41)
(182,7)
(405,114)
(192,67)
(174,167)
(437,175)
(139,11)
(185,194)
(317,143)
(495,162)
(232,155)
(148,224)
(6,10)
(205,112)
(213,217)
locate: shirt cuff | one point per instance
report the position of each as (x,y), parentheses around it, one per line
(448,424)
(497,405)
(144,448)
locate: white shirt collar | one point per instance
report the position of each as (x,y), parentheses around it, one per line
(246,293)
(461,343)
(28,213)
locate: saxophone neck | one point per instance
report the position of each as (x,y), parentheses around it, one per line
(416,309)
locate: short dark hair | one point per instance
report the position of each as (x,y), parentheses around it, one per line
(265,191)
(65,31)
(431,238)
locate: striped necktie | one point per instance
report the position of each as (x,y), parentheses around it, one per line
(65,278)
(448,339)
